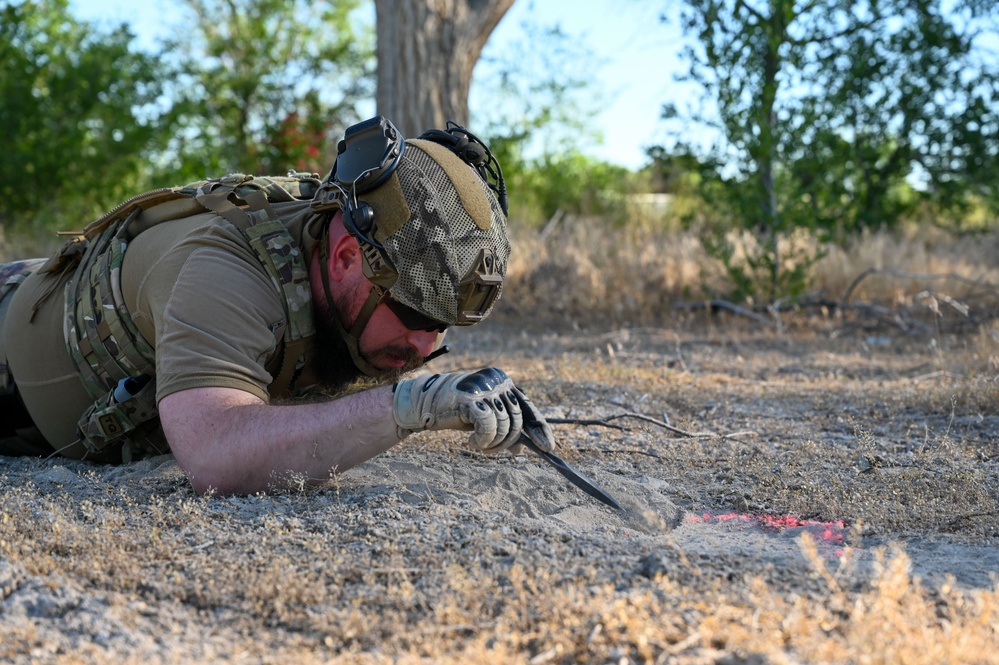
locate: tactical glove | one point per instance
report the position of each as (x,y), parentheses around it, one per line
(486,402)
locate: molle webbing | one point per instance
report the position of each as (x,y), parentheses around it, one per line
(279,255)
(107,348)
(116,364)
(106,345)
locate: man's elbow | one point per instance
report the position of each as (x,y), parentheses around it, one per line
(209,481)
(198,425)
(210,472)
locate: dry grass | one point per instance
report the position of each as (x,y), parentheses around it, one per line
(583,270)
(920,250)
(310,581)
(891,431)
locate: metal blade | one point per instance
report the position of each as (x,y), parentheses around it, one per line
(573,476)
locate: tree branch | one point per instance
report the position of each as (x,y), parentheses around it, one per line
(760,17)
(909,275)
(726,305)
(605,422)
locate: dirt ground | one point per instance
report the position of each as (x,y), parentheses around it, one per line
(837,502)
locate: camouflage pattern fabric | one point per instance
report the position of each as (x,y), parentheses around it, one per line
(286,267)
(12,274)
(279,255)
(275,248)
(441,243)
(130,424)
(277,189)
(107,348)
(100,333)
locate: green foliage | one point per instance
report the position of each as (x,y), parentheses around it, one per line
(840,115)
(572,183)
(268,84)
(76,107)
(252,85)
(903,102)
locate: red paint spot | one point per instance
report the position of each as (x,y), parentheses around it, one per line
(831,534)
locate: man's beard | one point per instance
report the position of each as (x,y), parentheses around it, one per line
(334,365)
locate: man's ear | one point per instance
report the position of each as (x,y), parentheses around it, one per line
(345,256)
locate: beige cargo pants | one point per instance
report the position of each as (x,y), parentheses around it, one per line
(41,381)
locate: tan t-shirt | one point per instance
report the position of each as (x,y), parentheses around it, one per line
(200,296)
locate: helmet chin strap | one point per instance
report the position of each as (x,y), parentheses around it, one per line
(351,338)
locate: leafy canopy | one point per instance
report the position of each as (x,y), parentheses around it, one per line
(78,111)
(266,84)
(840,115)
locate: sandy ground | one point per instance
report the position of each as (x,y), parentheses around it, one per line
(859,443)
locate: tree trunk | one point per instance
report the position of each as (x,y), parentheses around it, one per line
(427,50)
(775,30)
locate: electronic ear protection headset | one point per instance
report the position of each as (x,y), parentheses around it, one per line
(366,157)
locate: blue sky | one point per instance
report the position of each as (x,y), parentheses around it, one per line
(637,56)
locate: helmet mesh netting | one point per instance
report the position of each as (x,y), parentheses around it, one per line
(440,243)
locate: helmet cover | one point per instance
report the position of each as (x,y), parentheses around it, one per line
(439,224)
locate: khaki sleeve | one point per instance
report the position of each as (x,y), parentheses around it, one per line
(216,316)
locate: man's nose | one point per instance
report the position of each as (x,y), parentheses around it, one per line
(423,341)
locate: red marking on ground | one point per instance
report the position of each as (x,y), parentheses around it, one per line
(831,534)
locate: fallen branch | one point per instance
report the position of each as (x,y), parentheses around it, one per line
(910,275)
(715,305)
(598,422)
(605,422)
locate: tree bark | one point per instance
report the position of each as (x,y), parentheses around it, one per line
(427,50)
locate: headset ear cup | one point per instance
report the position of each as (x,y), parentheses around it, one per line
(363,218)
(474,154)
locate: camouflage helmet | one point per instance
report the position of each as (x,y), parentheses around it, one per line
(429,220)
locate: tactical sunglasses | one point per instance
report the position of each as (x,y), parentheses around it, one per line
(412,319)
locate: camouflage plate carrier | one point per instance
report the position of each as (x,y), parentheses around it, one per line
(116,364)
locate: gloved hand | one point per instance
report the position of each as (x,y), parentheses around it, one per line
(486,402)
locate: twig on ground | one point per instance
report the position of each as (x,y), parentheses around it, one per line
(937,375)
(679,355)
(726,305)
(904,318)
(598,422)
(630,451)
(605,422)
(967,516)
(910,275)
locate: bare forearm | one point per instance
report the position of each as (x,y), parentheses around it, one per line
(234,443)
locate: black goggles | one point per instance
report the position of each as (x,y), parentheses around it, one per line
(412,319)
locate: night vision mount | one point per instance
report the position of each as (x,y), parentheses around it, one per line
(371,151)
